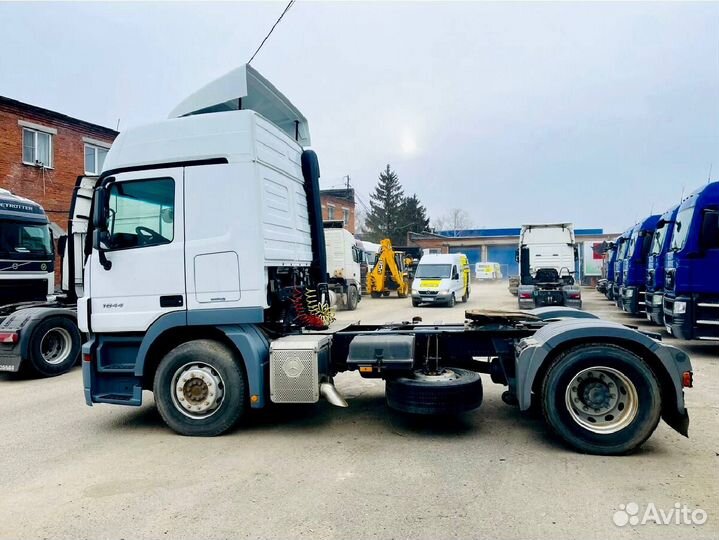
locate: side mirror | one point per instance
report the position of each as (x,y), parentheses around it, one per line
(99,213)
(62,244)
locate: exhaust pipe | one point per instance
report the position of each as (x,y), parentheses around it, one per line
(330,393)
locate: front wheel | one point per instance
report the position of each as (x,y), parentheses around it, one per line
(601,399)
(54,347)
(200,388)
(452,301)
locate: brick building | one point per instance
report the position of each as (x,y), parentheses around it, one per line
(42,153)
(339,204)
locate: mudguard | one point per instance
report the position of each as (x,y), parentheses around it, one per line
(23,322)
(535,351)
(561,312)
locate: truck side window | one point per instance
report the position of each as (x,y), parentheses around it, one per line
(710,230)
(455,274)
(141,213)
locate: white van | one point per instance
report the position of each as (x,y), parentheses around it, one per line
(441,279)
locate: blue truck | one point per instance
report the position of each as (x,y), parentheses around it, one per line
(691,268)
(634,267)
(622,245)
(661,241)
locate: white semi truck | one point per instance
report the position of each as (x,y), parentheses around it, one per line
(343,265)
(204,284)
(547,257)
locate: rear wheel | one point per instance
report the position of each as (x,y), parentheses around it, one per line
(601,399)
(451,391)
(54,347)
(200,388)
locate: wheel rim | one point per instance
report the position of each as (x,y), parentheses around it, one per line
(602,400)
(197,390)
(55,346)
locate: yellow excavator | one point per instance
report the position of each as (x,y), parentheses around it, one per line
(389,272)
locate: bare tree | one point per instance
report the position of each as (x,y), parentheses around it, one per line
(454,220)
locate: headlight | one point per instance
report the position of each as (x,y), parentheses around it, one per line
(629,292)
(680,308)
(657,299)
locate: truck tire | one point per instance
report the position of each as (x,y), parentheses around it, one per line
(200,388)
(454,391)
(452,301)
(375,294)
(352,298)
(54,347)
(601,399)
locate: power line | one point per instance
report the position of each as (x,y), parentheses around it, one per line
(287,8)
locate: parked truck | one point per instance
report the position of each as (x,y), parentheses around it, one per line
(547,258)
(27,254)
(661,242)
(206,241)
(691,269)
(634,268)
(622,247)
(42,336)
(343,265)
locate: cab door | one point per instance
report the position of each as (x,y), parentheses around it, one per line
(144,245)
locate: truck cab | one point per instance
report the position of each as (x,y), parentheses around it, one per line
(343,264)
(27,254)
(691,287)
(622,245)
(547,258)
(661,241)
(441,279)
(634,267)
(610,258)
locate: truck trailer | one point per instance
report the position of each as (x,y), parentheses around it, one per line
(691,268)
(634,268)
(207,243)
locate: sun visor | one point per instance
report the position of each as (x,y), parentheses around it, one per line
(244,88)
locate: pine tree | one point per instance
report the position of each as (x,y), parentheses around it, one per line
(386,204)
(414,216)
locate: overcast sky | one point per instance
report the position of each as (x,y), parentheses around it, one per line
(591,113)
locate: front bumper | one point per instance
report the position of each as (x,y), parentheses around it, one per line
(431,297)
(654,307)
(633,299)
(678,325)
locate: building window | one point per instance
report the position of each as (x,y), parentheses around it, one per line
(346,216)
(94,158)
(36,147)
(330,212)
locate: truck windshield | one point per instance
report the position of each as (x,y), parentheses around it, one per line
(660,235)
(624,244)
(632,244)
(438,271)
(25,241)
(681,228)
